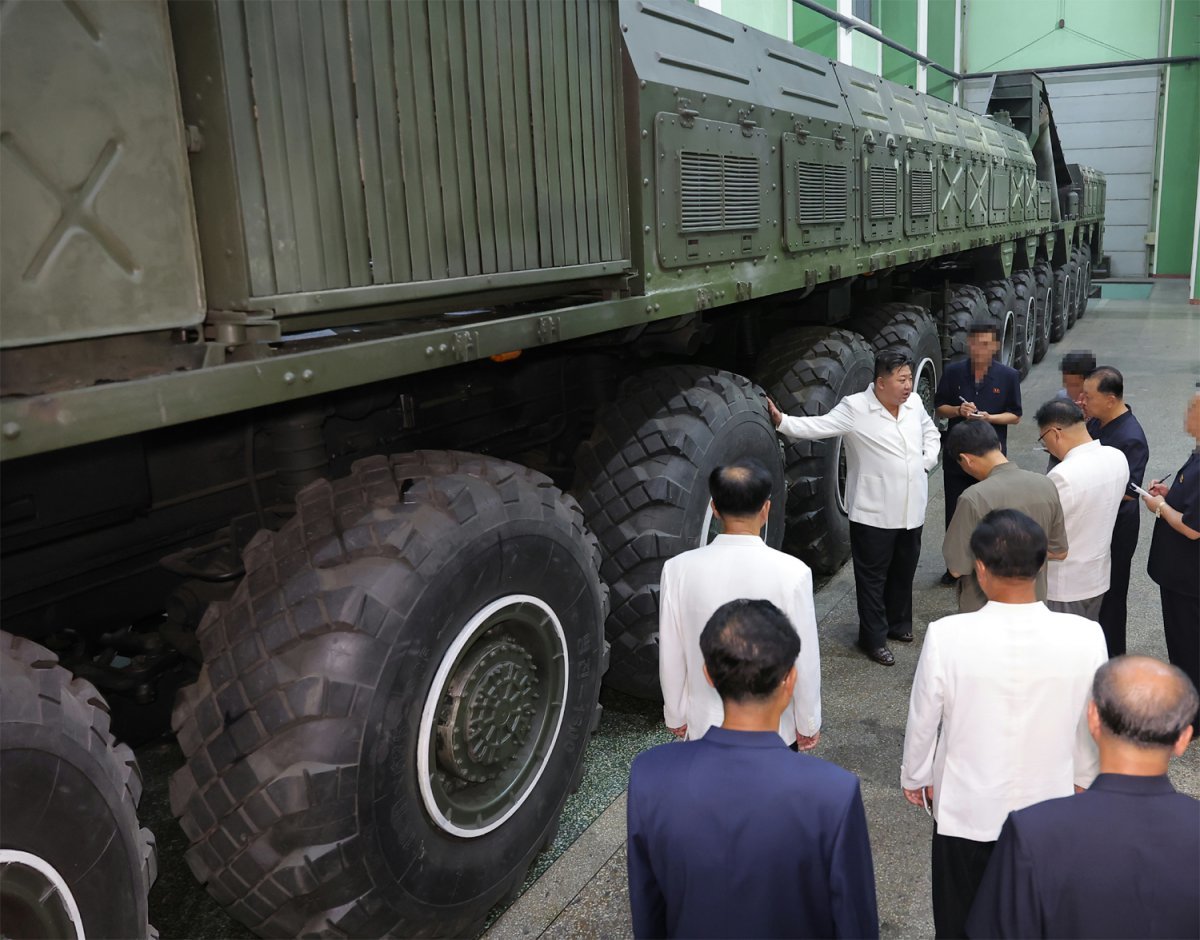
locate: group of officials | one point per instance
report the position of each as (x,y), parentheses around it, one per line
(1022,699)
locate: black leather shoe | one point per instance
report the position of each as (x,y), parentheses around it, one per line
(881,655)
(901,637)
(948,579)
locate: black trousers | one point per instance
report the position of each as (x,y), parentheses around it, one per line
(954,483)
(1114,609)
(885,561)
(958,867)
(1181,624)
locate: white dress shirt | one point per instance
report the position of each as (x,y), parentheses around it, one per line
(1091,480)
(694,584)
(887,459)
(1009,685)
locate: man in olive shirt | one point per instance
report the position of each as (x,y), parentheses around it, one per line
(1002,485)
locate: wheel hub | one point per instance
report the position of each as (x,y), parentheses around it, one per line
(488,711)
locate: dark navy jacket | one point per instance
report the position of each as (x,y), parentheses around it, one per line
(1121,859)
(997,392)
(734,835)
(1125,433)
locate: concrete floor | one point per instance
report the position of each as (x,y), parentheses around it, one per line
(578,888)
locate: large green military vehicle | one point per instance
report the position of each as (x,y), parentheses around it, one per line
(364,362)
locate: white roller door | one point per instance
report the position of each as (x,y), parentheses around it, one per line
(1107,119)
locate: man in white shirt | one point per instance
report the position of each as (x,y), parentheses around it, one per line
(736,564)
(891,444)
(1091,481)
(1009,686)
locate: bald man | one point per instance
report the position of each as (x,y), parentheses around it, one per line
(1121,858)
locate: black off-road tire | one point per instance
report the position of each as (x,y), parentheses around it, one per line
(1083,262)
(909,328)
(1001,310)
(1072,304)
(68,798)
(642,480)
(333,669)
(1064,284)
(808,370)
(1025,307)
(1044,280)
(965,305)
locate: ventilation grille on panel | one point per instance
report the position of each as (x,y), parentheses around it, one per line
(823,192)
(921,192)
(882,181)
(718,191)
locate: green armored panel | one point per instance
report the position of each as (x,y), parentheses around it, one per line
(1031,194)
(713,193)
(97,232)
(952,189)
(366,153)
(881,201)
(1045,192)
(943,123)
(1016,193)
(818,175)
(998,200)
(979,176)
(918,207)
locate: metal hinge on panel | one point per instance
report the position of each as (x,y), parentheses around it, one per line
(235,328)
(687,114)
(465,345)
(801,132)
(839,139)
(704,298)
(743,290)
(547,329)
(747,122)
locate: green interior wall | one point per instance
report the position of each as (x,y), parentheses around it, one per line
(770,16)
(940,48)
(1020,34)
(898,21)
(813,31)
(1181,147)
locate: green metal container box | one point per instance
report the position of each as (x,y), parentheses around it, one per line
(372,153)
(97,224)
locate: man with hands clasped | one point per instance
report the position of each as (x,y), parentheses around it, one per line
(977,388)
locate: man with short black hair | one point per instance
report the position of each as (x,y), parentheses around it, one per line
(997,716)
(733,836)
(1075,366)
(1002,485)
(1111,422)
(977,388)
(1091,481)
(891,445)
(737,563)
(1122,858)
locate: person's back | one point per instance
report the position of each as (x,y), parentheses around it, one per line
(1009,668)
(696,583)
(733,835)
(1002,485)
(740,812)
(1121,859)
(1091,481)
(736,564)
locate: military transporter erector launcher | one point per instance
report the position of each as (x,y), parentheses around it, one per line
(368,360)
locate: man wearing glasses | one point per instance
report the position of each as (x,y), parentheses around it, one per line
(1091,481)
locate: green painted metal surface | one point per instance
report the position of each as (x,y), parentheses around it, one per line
(488,144)
(784,169)
(97,227)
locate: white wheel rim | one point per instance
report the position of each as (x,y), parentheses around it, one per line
(47,871)
(1007,340)
(469,632)
(1030,327)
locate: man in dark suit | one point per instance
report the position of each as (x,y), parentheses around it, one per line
(1122,858)
(733,835)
